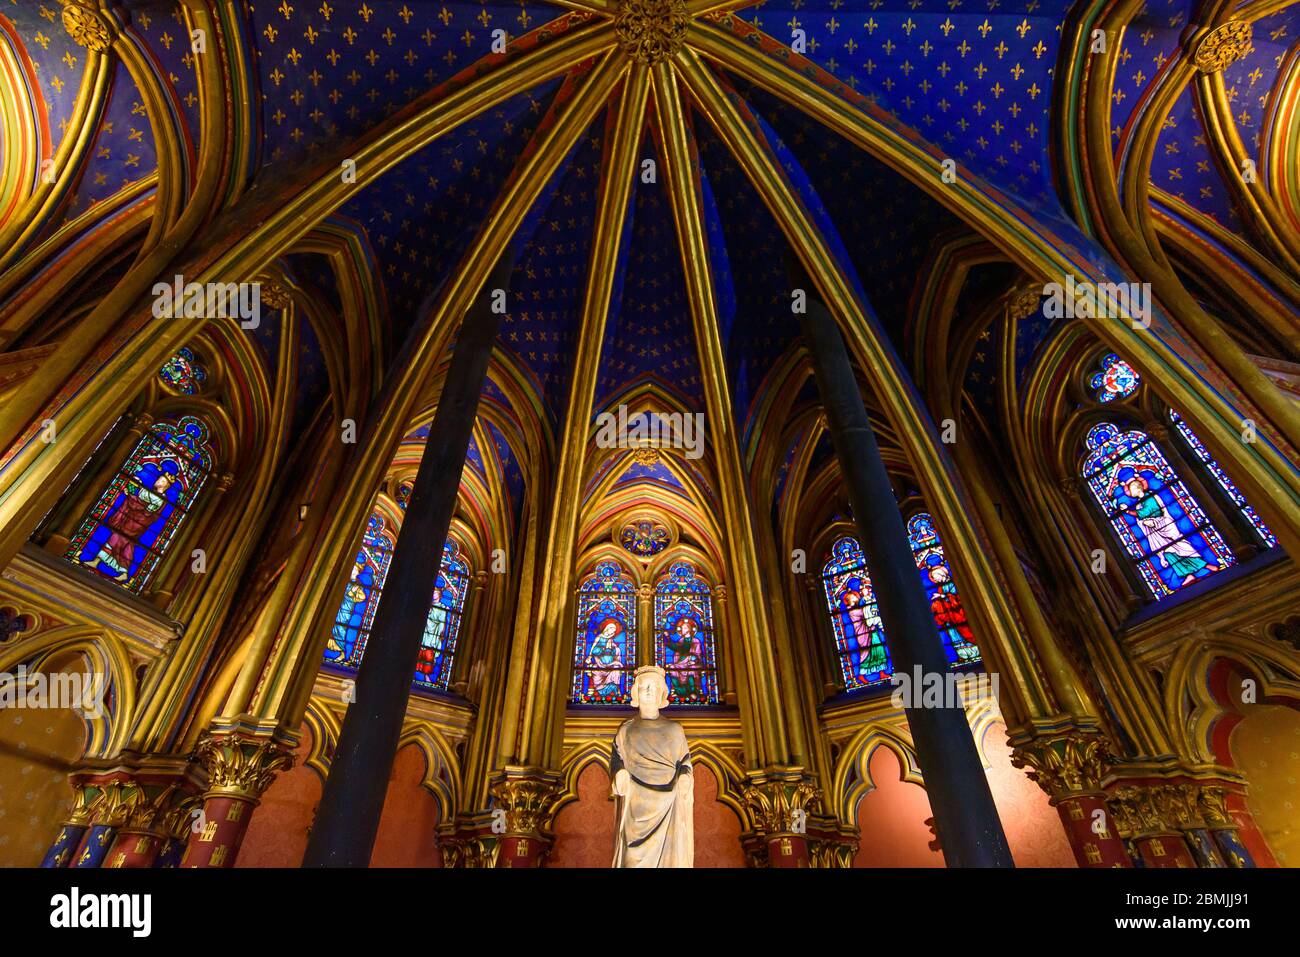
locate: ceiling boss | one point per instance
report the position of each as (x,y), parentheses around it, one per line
(650,31)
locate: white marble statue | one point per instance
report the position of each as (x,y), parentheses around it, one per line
(652,781)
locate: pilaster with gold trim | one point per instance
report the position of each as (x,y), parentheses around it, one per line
(526,796)
(781,801)
(241,761)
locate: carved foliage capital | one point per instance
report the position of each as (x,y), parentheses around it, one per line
(1064,765)
(1142,810)
(1024,301)
(1212,802)
(241,766)
(776,804)
(526,801)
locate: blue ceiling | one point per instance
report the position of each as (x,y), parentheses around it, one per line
(420,217)
(332,70)
(978,83)
(650,332)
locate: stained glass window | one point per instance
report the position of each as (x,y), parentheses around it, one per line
(356,615)
(605,653)
(684,636)
(1220,476)
(644,538)
(347,639)
(945,603)
(855,617)
(128,529)
(404,494)
(1161,526)
(438,643)
(183,372)
(1116,380)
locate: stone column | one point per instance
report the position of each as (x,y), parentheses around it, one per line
(955,782)
(1069,766)
(241,765)
(353,799)
(781,802)
(66,844)
(525,795)
(1146,816)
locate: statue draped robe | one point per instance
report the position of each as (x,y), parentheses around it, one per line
(655,827)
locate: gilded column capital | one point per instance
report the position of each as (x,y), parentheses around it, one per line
(241,766)
(86,26)
(1212,802)
(526,795)
(1144,810)
(83,805)
(1135,812)
(1223,46)
(1065,765)
(830,853)
(469,851)
(780,802)
(118,802)
(177,817)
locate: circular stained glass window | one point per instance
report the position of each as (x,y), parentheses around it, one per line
(183,372)
(645,538)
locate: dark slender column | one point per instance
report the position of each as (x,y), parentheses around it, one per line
(970,832)
(353,798)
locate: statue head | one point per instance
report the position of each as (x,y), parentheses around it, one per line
(650,690)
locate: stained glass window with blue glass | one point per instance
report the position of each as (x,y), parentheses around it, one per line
(684,636)
(945,603)
(605,652)
(442,626)
(1161,526)
(128,529)
(183,372)
(356,614)
(855,617)
(1115,380)
(347,642)
(1201,452)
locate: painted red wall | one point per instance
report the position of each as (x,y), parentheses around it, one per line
(892,816)
(717,829)
(277,833)
(407,835)
(892,819)
(1033,828)
(584,829)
